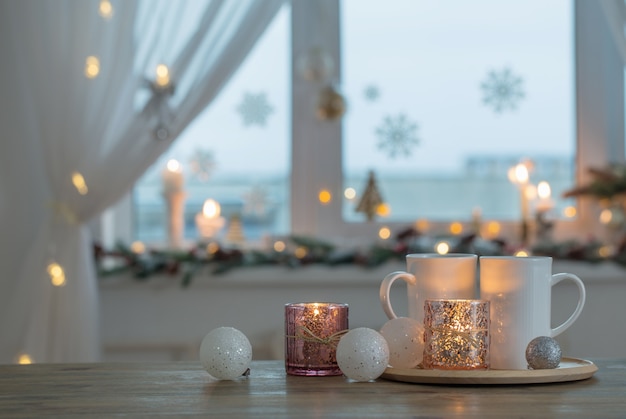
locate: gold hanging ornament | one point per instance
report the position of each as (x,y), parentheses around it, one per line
(331,104)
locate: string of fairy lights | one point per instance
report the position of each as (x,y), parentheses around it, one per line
(162,83)
(54,270)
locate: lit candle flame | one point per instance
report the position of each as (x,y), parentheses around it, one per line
(521,173)
(173,165)
(543,190)
(211,209)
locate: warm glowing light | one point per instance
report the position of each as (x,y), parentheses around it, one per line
(521,253)
(162,71)
(211,209)
(543,190)
(300,252)
(384,233)
(349,193)
(279,246)
(569,212)
(456,228)
(54,269)
(606,216)
(24,359)
(138,247)
(511,174)
(173,166)
(162,75)
(422,225)
(493,228)
(442,248)
(605,251)
(325,196)
(58,281)
(383,210)
(57,276)
(79,183)
(212,248)
(105,9)
(92,67)
(519,174)
(531,192)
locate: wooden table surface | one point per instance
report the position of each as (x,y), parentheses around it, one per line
(185,389)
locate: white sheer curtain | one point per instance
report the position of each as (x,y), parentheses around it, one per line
(72,145)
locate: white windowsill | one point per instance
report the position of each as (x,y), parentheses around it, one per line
(329,276)
(158,319)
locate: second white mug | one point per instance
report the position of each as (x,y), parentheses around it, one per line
(520,291)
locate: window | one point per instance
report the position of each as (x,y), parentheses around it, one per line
(445,97)
(235,152)
(569,118)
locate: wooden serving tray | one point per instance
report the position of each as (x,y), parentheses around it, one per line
(570,369)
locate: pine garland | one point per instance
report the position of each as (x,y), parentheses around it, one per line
(607,183)
(189,263)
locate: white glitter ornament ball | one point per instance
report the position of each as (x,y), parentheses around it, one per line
(225,353)
(405,337)
(362,354)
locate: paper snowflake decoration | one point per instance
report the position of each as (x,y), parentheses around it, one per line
(256,202)
(371,93)
(502,90)
(397,135)
(202,164)
(254,109)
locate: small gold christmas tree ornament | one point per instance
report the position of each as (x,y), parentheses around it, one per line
(371,199)
(234,235)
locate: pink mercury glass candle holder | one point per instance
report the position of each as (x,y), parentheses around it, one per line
(456,334)
(312,332)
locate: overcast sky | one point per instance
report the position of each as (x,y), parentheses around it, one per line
(428,60)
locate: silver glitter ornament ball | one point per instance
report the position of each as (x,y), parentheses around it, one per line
(543,353)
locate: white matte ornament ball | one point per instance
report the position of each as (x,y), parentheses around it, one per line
(225,353)
(405,337)
(362,354)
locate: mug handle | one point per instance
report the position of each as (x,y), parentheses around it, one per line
(556,278)
(385,287)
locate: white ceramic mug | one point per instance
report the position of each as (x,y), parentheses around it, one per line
(431,275)
(520,292)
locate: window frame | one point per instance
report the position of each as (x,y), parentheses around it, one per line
(316,155)
(317,158)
